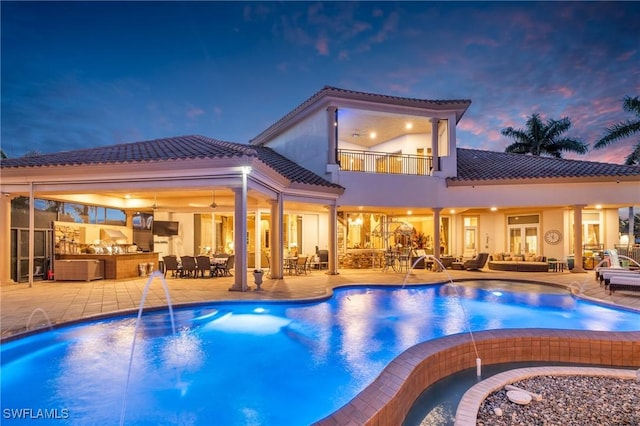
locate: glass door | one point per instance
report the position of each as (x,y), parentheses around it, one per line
(523,234)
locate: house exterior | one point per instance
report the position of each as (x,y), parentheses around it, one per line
(352,173)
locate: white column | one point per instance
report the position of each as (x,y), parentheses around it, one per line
(5,241)
(577,238)
(258,241)
(436,231)
(240,237)
(276,237)
(434,143)
(333,240)
(632,238)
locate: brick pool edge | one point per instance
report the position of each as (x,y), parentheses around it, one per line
(389,398)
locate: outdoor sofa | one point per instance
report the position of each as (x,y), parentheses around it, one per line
(518,263)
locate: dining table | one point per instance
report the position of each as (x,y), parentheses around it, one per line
(217,263)
(290,264)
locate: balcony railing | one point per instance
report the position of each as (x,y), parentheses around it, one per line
(384,162)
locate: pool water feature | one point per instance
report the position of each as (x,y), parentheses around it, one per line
(266,363)
(452,284)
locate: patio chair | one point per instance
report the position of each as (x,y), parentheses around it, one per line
(403,259)
(323,255)
(225,270)
(266,263)
(203,264)
(301,265)
(171,264)
(472,265)
(189,266)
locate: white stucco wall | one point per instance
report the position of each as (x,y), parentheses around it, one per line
(371,189)
(553,219)
(307,143)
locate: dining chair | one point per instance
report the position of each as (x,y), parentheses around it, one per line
(171,264)
(225,269)
(301,265)
(189,266)
(204,265)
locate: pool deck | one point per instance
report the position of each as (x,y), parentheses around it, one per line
(75,300)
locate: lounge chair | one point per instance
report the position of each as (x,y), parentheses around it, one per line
(605,276)
(624,282)
(472,265)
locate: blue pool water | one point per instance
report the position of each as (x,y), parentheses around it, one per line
(263,363)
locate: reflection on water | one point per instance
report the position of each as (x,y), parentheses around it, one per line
(267,363)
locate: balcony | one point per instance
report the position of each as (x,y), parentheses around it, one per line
(385,162)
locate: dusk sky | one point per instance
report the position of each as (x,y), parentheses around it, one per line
(84,74)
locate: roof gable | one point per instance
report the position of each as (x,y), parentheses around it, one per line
(328,92)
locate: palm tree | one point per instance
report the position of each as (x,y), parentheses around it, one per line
(2,154)
(543,139)
(624,130)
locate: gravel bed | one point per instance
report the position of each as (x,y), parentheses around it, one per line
(567,400)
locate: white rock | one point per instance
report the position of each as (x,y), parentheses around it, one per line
(519,397)
(498,411)
(534,396)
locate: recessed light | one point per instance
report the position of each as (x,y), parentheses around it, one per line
(408,126)
(373,135)
(494,209)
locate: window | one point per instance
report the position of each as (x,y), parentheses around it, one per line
(523,233)
(470,233)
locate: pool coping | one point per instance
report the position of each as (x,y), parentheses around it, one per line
(389,398)
(469,405)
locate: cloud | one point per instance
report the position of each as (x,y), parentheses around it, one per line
(194,112)
(322,45)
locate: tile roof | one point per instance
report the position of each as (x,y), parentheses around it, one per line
(336,92)
(173,148)
(290,170)
(477,165)
(167,149)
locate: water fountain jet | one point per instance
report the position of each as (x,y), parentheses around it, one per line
(42,311)
(155,274)
(441,268)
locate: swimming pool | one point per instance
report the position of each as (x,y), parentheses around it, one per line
(259,363)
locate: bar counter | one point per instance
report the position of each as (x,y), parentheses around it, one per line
(117,266)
